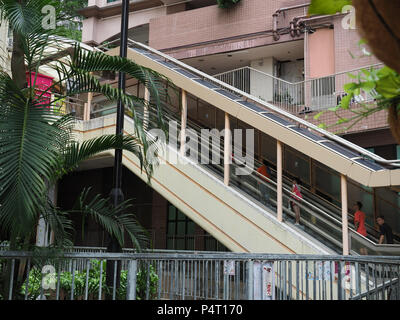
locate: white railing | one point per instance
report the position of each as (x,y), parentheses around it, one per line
(298,97)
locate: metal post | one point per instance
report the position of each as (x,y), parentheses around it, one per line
(116,193)
(345,225)
(183,123)
(131,280)
(227,149)
(250,280)
(279,199)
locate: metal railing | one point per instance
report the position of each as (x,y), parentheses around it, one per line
(198,276)
(297,97)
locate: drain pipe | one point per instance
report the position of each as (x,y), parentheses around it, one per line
(276,15)
(298,21)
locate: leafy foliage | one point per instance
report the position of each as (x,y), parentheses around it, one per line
(327,6)
(65,285)
(37,147)
(382,85)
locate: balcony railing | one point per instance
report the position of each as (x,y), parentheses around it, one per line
(194,276)
(299,97)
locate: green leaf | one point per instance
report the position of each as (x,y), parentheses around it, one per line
(317,116)
(342,120)
(367,86)
(327,6)
(345,103)
(350,87)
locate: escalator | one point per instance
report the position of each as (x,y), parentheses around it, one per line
(234,215)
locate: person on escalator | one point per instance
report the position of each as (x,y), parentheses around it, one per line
(264,171)
(359,219)
(386,231)
(359,223)
(296,195)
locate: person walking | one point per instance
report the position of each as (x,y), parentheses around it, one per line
(296,195)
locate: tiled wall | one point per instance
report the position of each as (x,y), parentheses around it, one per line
(212,23)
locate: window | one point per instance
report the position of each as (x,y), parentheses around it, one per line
(180,230)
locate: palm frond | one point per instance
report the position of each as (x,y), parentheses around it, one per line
(113,219)
(28,154)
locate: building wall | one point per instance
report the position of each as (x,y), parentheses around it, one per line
(97,30)
(212,23)
(5,54)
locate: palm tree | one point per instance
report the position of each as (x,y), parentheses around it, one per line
(36,144)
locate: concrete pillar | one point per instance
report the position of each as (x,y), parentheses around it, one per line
(345,224)
(279,186)
(88,107)
(183,122)
(227,150)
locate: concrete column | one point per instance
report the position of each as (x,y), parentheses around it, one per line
(279,187)
(146,109)
(88,106)
(227,150)
(345,224)
(183,122)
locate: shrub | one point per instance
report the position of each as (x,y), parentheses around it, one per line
(35,279)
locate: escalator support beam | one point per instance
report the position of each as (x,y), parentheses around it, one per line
(279,180)
(345,223)
(227,149)
(183,122)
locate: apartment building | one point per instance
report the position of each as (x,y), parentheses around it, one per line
(271,50)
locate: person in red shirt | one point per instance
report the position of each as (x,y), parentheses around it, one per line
(296,195)
(359,223)
(359,219)
(264,171)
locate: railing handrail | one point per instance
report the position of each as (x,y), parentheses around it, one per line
(286,114)
(206,256)
(299,82)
